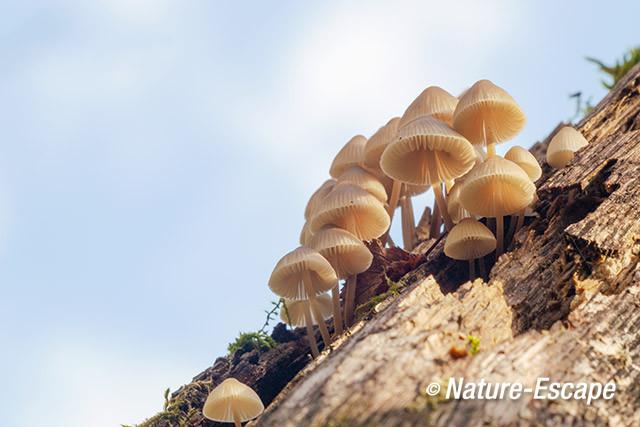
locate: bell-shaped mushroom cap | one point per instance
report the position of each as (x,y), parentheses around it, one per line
(351,154)
(296,310)
(366,181)
(433,101)
(469,239)
(353,209)
(344,251)
(562,147)
(232,399)
(503,118)
(496,181)
(427,151)
(305,234)
(526,161)
(317,196)
(454,207)
(287,279)
(378,142)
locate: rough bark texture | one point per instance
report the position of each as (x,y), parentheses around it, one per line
(563,302)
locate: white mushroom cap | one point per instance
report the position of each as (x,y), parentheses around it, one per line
(366,181)
(427,151)
(351,154)
(287,278)
(232,401)
(562,147)
(526,161)
(344,251)
(496,183)
(469,239)
(297,309)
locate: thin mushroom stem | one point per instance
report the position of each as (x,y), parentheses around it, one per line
(491,148)
(350,300)
(391,207)
(311,335)
(442,206)
(337,312)
(408,223)
(411,221)
(499,220)
(472,270)
(236,418)
(315,308)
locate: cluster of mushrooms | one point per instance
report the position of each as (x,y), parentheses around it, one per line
(442,142)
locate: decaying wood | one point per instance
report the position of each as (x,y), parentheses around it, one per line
(563,302)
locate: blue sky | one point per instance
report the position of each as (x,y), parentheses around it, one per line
(156,157)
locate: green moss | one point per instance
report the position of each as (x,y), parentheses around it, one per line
(365,309)
(255,339)
(475,344)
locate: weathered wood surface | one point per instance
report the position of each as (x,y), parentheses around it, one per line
(563,303)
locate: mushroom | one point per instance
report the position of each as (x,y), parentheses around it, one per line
(530,165)
(303,274)
(305,234)
(486,115)
(562,147)
(317,196)
(351,154)
(298,314)
(427,152)
(232,402)
(348,256)
(366,181)
(454,207)
(372,152)
(494,188)
(353,209)
(468,240)
(433,101)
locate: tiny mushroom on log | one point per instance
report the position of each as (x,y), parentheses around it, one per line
(365,180)
(428,151)
(348,256)
(232,402)
(304,274)
(487,115)
(351,154)
(494,188)
(353,209)
(297,313)
(433,101)
(468,240)
(530,165)
(562,147)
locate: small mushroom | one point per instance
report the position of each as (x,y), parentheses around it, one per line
(530,165)
(351,154)
(317,196)
(433,101)
(486,115)
(304,274)
(468,240)
(427,152)
(365,180)
(348,256)
(494,188)
(562,147)
(353,209)
(298,314)
(232,402)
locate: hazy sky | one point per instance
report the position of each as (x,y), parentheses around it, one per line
(156,157)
